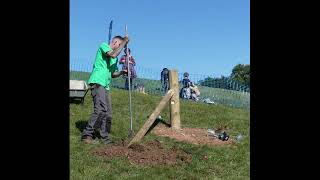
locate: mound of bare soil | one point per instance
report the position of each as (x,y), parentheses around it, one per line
(195,136)
(149,153)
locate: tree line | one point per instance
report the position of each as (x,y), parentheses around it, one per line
(239,79)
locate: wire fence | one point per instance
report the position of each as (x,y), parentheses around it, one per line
(213,89)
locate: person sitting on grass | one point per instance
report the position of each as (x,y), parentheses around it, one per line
(105,68)
(195,93)
(185,92)
(186,80)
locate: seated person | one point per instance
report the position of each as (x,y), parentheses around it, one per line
(195,93)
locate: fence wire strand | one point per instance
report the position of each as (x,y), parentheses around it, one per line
(220,90)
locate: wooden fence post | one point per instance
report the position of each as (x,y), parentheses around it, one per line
(174,101)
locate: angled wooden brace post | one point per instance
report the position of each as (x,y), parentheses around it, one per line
(172,96)
(152,117)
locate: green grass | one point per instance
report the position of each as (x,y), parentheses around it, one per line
(226,97)
(223,163)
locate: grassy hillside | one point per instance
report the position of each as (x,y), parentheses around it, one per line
(223,162)
(218,95)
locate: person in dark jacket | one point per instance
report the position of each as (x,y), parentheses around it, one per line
(165,79)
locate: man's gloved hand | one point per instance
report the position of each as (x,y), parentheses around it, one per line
(124,72)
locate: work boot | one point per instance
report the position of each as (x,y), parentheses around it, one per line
(107,141)
(88,140)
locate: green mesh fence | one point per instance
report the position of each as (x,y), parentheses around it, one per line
(213,90)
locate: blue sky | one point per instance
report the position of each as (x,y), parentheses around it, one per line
(200,37)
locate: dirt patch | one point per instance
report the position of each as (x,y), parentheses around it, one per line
(195,136)
(149,153)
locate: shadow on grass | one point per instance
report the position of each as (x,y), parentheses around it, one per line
(75,101)
(80,125)
(156,122)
